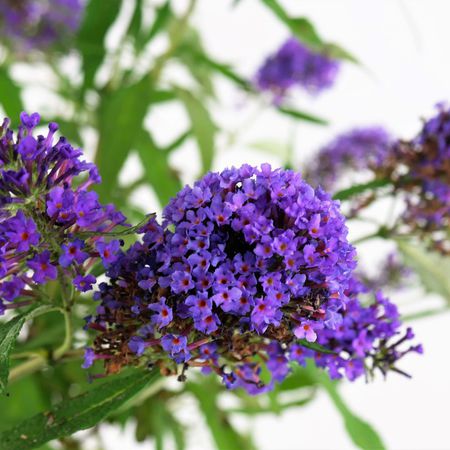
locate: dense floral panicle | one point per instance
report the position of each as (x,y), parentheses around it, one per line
(46,210)
(420,170)
(30,24)
(294,64)
(249,265)
(356,150)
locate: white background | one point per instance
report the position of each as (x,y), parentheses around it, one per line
(404,48)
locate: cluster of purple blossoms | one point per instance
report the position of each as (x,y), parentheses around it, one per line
(368,338)
(420,169)
(50,223)
(356,150)
(294,64)
(250,266)
(32,24)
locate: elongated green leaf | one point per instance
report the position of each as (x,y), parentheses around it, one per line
(302,115)
(300,27)
(134,28)
(76,414)
(8,335)
(187,52)
(160,96)
(178,141)
(297,379)
(99,16)
(315,346)
(227,71)
(360,188)
(224,435)
(432,268)
(362,434)
(164,180)
(162,17)
(25,397)
(277,9)
(121,119)
(258,410)
(10,96)
(337,52)
(154,419)
(203,128)
(200,57)
(141,36)
(305,31)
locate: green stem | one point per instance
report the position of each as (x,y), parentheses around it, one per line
(382,232)
(67,343)
(67,299)
(26,368)
(365,238)
(38,362)
(346,194)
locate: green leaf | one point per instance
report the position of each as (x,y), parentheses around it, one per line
(337,52)
(315,346)
(121,119)
(226,70)
(10,97)
(277,10)
(163,179)
(8,335)
(298,378)
(203,128)
(154,419)
(200,57)
(223,433)
(25,397)
(143,37)
(187,52)
(432,268)
(98,17)
(78,413)
(160,96)
(345,194)
(301,115)
(300,27)
(361,433)
(162,17)
(305,32)
(134,28)
(178,141)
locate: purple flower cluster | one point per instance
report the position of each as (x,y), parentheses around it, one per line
(356,150)
(249,265)
(294,64)
(50,222)
(421,170)
(30,24)
(368,338)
